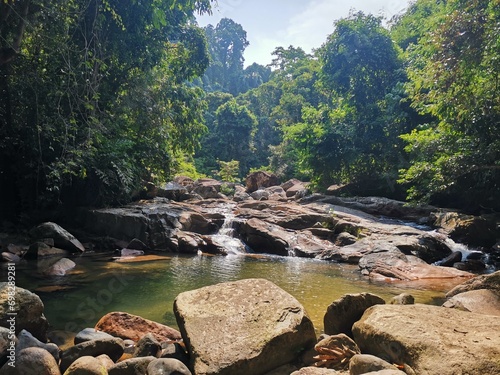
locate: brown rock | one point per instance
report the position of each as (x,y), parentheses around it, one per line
(112,347)
(490,282)
(131,366)
(260,179)
(344,312)
(32,361)
(133,327)
(430,339)
(480,301)
(86,365)
(247,327)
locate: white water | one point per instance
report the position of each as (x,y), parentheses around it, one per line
(225,236)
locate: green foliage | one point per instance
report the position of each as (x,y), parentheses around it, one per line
(229,170)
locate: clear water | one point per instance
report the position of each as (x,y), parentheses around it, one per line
(99,285)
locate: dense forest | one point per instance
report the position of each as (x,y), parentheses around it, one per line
(98,97)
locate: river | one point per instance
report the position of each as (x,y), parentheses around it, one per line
(99,284)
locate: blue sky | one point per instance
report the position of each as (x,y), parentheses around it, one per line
(301,23)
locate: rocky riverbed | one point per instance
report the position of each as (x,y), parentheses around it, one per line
(252,326)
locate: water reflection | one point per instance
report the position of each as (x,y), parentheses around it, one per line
(100,285)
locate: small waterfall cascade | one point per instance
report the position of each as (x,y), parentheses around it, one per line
(468,254)
(226,236)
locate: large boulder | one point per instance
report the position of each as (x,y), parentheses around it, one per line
(260,179)
(430,339)
(62,238)
(480,301)
(490,282)
(264,237)
(247,327)
(114,348)
(207,188)
(32,361)
(60,268)
(173,191)
(133,327)
(344,312)
(29,309)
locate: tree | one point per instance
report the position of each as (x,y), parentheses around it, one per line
(455,75)
(97,98)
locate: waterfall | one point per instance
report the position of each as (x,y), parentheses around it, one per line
(225,237)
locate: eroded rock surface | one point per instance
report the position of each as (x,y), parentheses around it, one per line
(268,327)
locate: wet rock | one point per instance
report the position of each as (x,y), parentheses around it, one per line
(403,299)
(137,244)
(167,366)
(128,326)
(188,242)
(450,260)
(480,301)
(260,179)
(342,313)
(32,361)
(131,366)
(27,340)
(131,252)
(89,334)
(86,365)
(60,268)
(365,363)
(39,250)
(29,309)
(405,335)
(268,327)
(112,347)
(147,346)
(265,237)
(62,238)
(471,230)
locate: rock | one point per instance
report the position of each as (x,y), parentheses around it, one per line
(247,327)
(147,346)
(260,179)
(176,351)
(173,191)
(60,268)
(335,351)
(128,326)
(167,366)
(5,344)
(86,365)
(403,299)
(27,340)
(10,258)
(342,313)
(89,334)
(131,252)
(417,336)
(184,181)
(39,250)
(112,347)
(385,372)
(297,190)
(62,238)
(365,363)
(137,244)
(344,239)
(106,361)
(16,249)
(131,366)
(265,237)
(490,282)
(480,301)
(314,371)
(471,230)
(189,243)
(288,184)
(260,195)
(29,309)
(450,260)
(32,361)
(207,188)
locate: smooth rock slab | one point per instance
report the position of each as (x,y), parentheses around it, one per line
(247,327)
(431,339)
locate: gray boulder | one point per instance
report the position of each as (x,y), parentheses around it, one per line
(132,366)
(147,346)
(26,340)
(167,366)
(32,361)
(29,309)
(112,347)
(247,327)
(60,268)
(89,334)
(430,340)
(86,365)
(62,238)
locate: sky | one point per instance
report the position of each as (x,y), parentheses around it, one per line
(300,23)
